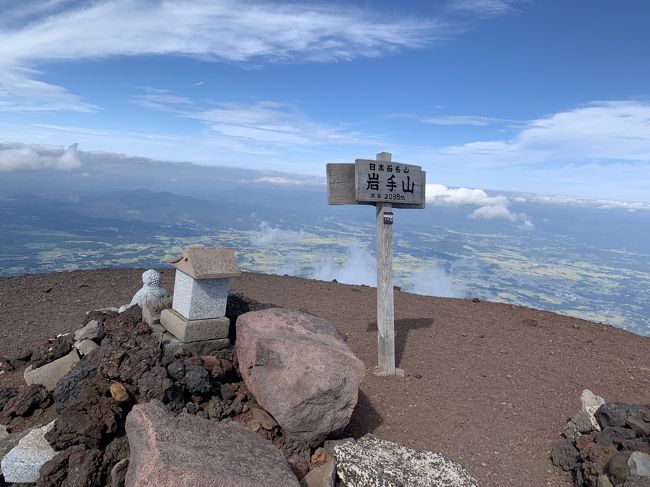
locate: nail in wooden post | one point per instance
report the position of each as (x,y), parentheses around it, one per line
(385,308)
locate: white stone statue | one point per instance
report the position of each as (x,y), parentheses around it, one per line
(151,291)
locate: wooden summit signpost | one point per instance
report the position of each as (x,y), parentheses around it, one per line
(386,185)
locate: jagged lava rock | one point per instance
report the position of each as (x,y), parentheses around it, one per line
(73,467)
(24,403)
(50,350)
(23,463)
(69,387)
(300,370)
(184,450)
(371,462)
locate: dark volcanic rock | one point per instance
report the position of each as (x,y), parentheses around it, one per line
(618,470)
(155,384)
(637,444)
(176,369)
(50,350)
(73,382)
(640,427)
(117,450)
(565,455)
(88,420)
(595,459)
(74,467)
(6,395)
(197,380)
(31,398)
(615,414)
(20,359)
(611,435)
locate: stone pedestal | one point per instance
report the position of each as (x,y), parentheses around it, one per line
(194,330)
(170,344)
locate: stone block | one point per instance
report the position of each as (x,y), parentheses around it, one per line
(171,345)
(49,375)
(85,346)
(194,330)
(94,330)
(23,463)
(200,299)
(151,311)
(158,331)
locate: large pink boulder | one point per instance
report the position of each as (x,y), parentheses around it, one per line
(187,451)
(300,370)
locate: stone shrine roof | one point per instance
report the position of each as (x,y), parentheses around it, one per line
(208,263)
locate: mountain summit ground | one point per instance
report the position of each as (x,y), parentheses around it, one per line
(489,385)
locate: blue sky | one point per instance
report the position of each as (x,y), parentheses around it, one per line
(538,96)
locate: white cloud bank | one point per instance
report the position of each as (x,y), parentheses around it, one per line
(225,30)
(359,267)
(490,207)
(435,281)
(30,157)
(267,235)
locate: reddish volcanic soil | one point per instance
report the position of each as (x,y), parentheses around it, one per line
(490,385)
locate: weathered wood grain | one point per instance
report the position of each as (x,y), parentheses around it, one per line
(385,298)
(341,187)
(388,182)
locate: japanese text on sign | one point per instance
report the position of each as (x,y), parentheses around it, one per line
(388,182)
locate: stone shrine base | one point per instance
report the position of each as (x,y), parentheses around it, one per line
(170,344)
(194,330)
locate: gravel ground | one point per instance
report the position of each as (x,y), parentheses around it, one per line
(490,385)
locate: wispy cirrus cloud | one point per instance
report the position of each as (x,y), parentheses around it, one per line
(248,31)
(484,7)
(473,120)
(259,125)
(602,130)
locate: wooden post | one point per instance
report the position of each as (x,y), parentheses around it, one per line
(385,308)
(387,185)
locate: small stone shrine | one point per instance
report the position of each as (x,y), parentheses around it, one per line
(200,295)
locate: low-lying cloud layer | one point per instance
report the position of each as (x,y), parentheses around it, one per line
(358,267)
(267,234)
(31,157)
(489,207)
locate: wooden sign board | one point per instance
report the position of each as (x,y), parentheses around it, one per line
(341,187)
(388,182)
(386,185)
